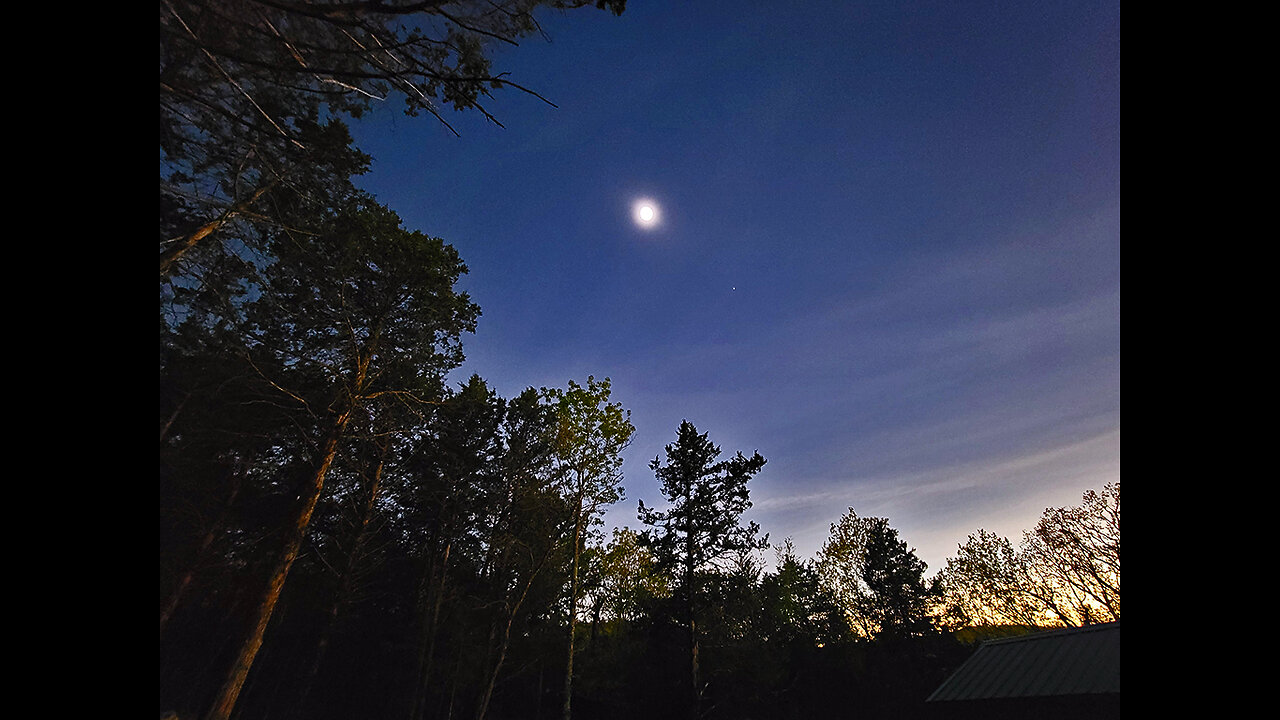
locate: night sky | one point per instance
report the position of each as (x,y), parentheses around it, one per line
(887,256)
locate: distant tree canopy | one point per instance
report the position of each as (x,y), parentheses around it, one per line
(839,563)
(876,578)
(624,580)
(899,602)
(797,607)
(1066,570)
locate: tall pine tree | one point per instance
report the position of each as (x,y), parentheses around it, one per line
(703,524)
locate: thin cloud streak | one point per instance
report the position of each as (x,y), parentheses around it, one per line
(936,509)
(927,271)
(897,406)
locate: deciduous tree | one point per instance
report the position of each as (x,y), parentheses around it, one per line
(523,530)
(591,435)
(455,472)
(876,578)
(840,562)
(987,583)
(624,579)
(1065,571)
(1077,550)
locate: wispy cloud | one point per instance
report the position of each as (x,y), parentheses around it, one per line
(937,508)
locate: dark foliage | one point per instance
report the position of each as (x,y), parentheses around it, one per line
(899,601)
(342,535)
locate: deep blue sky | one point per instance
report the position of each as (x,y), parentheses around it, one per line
(889,256)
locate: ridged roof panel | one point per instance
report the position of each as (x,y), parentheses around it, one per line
(1076,661)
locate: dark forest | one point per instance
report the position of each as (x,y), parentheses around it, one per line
(344,534)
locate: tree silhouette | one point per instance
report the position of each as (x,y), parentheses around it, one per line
(877,580)
(246,87)
(590,437)
(1065,571)
(360,319)
(702,525)
(797,607)
(899,603)
(840,562)
(988,583)
(1077,550)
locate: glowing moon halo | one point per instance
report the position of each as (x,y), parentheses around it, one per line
(646,214)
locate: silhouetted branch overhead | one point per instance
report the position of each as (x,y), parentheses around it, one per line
(253,75)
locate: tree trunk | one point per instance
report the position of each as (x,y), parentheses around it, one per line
(595,619)
(176,596)
(573,613)
(344,589)
(164,430)
(537,705)
(502,649)
(430,620)
(506,643)
(696,706)
(230,692)
(181,245)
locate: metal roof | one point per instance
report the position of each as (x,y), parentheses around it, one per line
(1075,661)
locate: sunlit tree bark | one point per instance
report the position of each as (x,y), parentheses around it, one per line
(361,533)
(362,285)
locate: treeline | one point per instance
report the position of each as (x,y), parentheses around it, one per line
(1065,571)
(343,535)
(455,568)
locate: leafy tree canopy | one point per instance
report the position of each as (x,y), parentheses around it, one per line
(900,602)
(796,606)
(877,580)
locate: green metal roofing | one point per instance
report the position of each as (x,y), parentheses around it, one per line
(1075,661)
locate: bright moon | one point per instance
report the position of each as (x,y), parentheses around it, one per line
(645,213)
